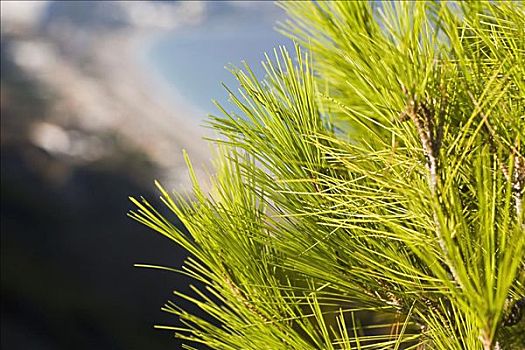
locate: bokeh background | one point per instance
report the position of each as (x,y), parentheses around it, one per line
(98,99)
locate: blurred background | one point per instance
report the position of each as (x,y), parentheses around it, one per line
(98,99)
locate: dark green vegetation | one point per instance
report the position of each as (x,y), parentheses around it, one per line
(67,278)
(382,174)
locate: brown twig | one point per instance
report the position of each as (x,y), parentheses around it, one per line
(430,135)
(239,294)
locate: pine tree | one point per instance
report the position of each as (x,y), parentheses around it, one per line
(369,191)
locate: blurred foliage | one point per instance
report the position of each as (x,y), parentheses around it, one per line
(67,252)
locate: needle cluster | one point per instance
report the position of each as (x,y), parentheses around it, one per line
(368,192)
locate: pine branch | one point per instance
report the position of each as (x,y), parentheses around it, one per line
(324,228)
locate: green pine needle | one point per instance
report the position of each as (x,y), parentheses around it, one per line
(370,194)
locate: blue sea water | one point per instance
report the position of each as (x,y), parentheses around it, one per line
(192,61)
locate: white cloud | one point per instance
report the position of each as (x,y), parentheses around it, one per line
(21,13)
(33,55)
(50,137)
(164,15)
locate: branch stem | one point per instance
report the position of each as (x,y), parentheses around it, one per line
(423,118)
